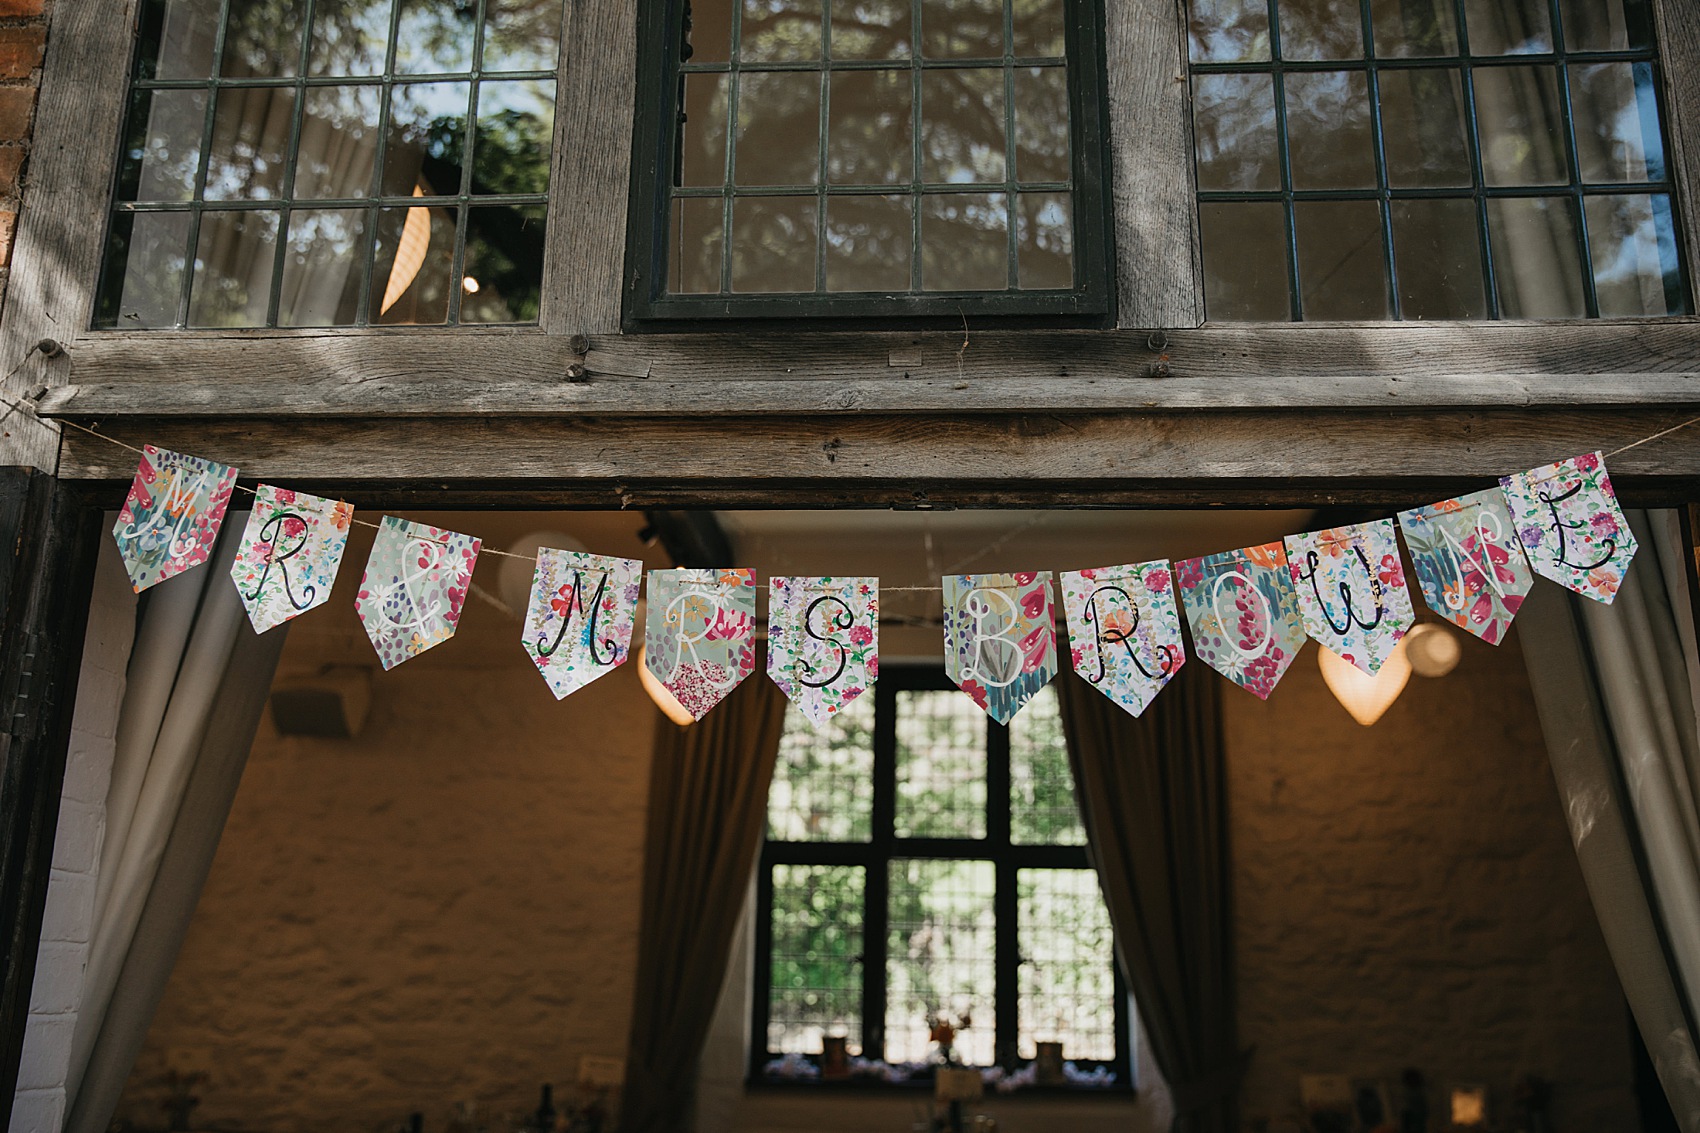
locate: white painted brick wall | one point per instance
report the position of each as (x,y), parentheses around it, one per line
(67,921)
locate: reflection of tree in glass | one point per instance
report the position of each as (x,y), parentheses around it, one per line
(962,125)
(522,35)
(504,261)
(779,31)
(870,29)
(512,152)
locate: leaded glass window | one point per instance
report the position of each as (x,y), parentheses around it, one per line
(919,859)
(301,163)
(1432,159)
(879,154)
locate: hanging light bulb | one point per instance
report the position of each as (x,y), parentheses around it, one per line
(1434,649)
(660,693)
(1364,696)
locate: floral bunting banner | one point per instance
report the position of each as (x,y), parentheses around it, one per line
(579,623)
(1000,638)
(1352,592)
(1567,517)
(172,515)
(414,587)
(1469,563)
(1243,612)
(700,637)
(823,641)
(290,554)
(1124,631)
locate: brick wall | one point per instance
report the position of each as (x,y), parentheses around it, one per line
(23,31)
(39,1106)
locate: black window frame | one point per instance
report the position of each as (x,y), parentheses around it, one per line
(874,857)
(661,31)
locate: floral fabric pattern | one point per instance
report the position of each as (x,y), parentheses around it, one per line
(1244,614)
(414,588)
(1469,563)
(290,553)
(1000,638)
(700,636)
(579,623)
(172,515)
(1124,632)
(1568,520)
(1352,591)
(823,641)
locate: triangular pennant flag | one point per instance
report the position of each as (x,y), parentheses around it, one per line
(1469,563)
(1352,592)
(172,515)
(700,640)
(1124,632)
(290,554)
(579,623)
(414,587)
(1243,612)
(1567,517)
(1000,638)
(823,641)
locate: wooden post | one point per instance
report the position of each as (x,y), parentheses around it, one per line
(51,534)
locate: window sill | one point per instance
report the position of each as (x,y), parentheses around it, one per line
(873,1087)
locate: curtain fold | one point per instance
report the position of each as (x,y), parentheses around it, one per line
(1153,797)
(195,689)
(707,814)
(1615,687)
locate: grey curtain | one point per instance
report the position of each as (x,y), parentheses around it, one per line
(195,689)
(707,814)
(1618,691)
(1153,795)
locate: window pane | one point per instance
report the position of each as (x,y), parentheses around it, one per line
(1041,124)
(1508,27)
(1414,28)
(1617,122)
(1522,130)
(941,955)
(321,267)
(1038,26)
(780,31)
(817,956)
(427,138)
(143,276)
(1041,787)
(1045,251)
(941,766)
(434,37)
(870,128)
(162,153)
(871,29)
(868,242)
(1068,987)
(1328,130)
(516,131)
(822,787)
(1439,256)
(1321,29)
(702,149)
(249,142)
(773,244)
(1422,129)
(1234,132)
(964,242)
(695,243)
(962,29)
(1229,31)
(522,35)
(263,38)
(503,278)
(1245,261)
(177,39)
(778,128)
(1536,262)
(710,32)
(1633,245)
(351,38)
(1606,25)
(411,266)
(962,125)
(233,269)
(339,142)
(1342,266)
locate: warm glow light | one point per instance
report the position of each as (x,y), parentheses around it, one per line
(664,700)
(469,285)
(1434,649)
(1364,696)
(409,253)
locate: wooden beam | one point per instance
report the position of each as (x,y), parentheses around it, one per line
(1678,25)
